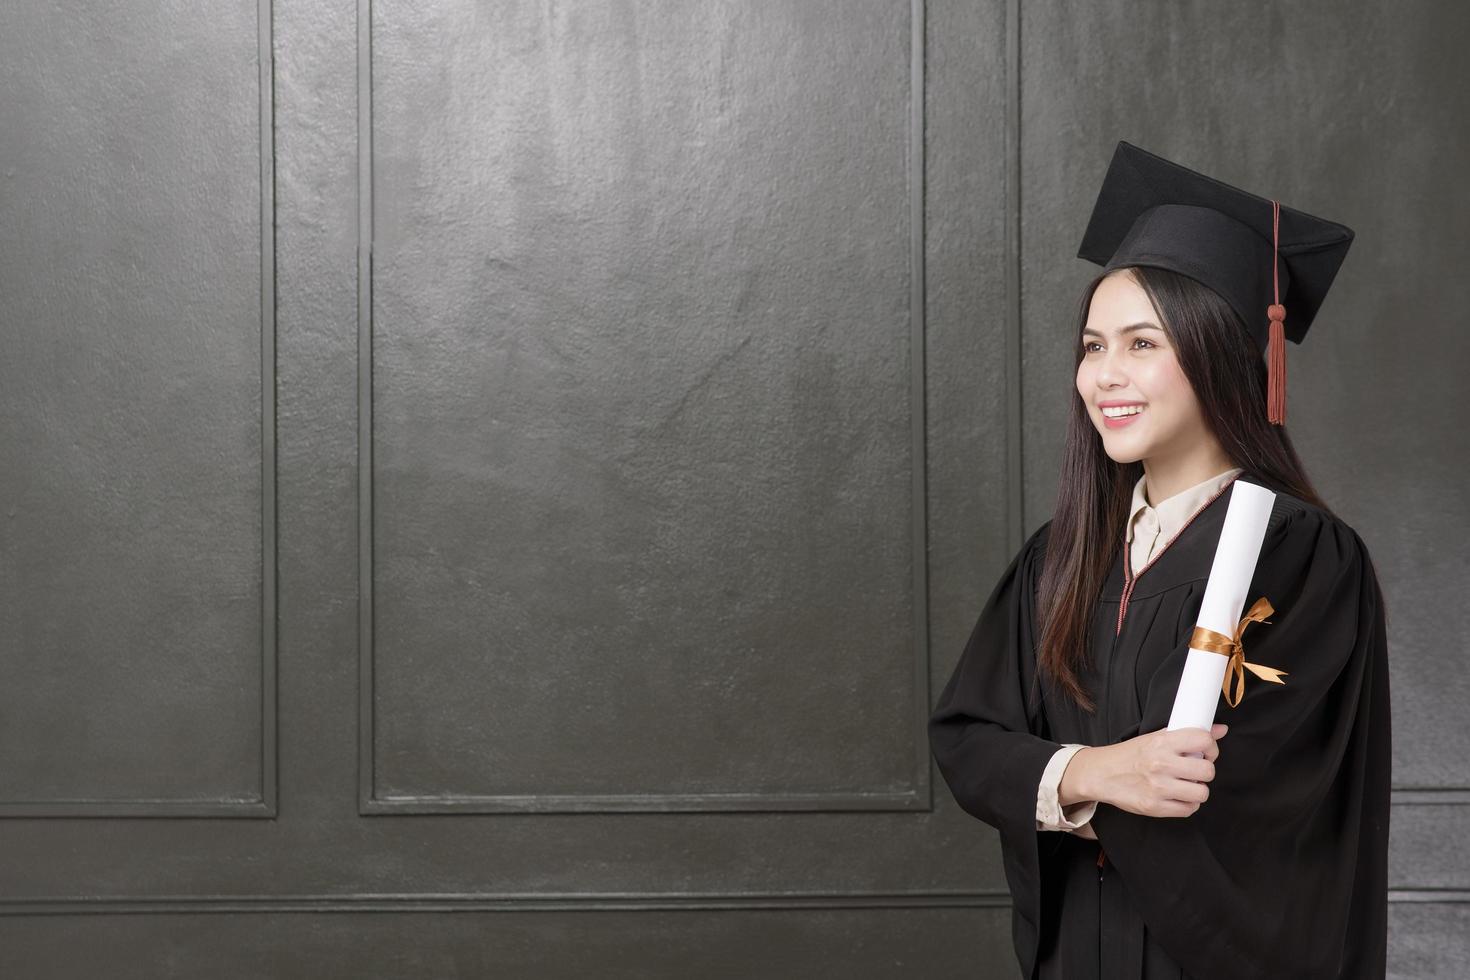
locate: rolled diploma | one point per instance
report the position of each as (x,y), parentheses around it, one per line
(1225,593)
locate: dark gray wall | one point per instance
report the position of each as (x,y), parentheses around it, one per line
(500,458)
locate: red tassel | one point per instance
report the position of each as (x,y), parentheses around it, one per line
(1276,344)
(1276,366)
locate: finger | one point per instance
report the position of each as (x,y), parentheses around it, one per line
(1191,769)
(1193,740)
(1185,791)
(1175,808)
(1197,770)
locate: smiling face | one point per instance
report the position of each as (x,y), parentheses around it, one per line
(1127,364)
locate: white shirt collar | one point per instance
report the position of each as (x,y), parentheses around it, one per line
(1174,511)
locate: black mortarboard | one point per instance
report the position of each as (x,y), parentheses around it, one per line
(1153,212)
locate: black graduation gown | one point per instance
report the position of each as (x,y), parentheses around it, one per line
(1282,871)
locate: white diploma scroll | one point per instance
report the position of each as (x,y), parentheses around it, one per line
(1236,554)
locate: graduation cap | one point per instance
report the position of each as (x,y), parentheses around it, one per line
(1259,256)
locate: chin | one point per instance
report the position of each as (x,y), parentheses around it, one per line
(1123,453)
(1122,457)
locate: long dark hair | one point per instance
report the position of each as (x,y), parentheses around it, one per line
(1222,363)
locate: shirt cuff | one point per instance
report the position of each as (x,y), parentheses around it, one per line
(1049,812)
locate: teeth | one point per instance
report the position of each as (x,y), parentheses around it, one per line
(1117,413)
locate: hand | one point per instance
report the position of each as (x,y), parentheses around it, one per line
(1153,774)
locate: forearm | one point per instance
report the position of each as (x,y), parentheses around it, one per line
(1080,779)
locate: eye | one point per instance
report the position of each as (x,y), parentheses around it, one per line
(1087,345)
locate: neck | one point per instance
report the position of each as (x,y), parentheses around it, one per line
(1163,478)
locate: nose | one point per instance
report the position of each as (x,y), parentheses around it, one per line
(1109,372)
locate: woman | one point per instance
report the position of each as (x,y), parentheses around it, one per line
(1137,852)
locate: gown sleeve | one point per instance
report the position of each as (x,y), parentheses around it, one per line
(1050,814)
(982,732)
(1282,871)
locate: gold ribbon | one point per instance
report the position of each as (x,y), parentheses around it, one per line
(1229,646)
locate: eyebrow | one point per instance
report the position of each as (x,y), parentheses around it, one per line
(1128,329)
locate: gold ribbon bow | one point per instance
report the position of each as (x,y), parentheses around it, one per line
(1229,646)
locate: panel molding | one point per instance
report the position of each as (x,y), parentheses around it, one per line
(265,805)
(568,902)
(1429,796)
(917,798)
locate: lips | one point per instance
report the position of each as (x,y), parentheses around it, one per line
(1118,423)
